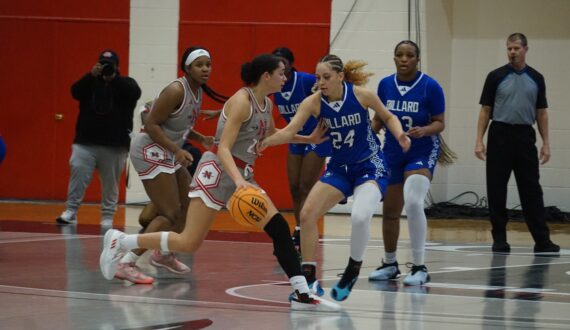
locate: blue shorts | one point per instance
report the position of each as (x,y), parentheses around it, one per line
(322,150)
(345,177)
(399,162)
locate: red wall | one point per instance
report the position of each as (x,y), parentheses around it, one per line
(48,45)
(236,31)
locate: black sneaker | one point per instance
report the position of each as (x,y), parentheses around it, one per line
(549,247)
(501,247)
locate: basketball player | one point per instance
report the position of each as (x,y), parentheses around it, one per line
(304,161)
(246,118)
(418,102)
(356,165)
(159,159)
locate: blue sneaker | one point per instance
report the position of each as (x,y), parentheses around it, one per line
(340,293)
(385,272)
(418,276)
(316,288)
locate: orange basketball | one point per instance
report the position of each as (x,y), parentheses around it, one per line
(247,206)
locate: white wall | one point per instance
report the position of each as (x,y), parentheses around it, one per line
(461,41)
(153,58)
(480,29)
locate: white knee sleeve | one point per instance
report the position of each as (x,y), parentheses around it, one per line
(366,201)
(416,188)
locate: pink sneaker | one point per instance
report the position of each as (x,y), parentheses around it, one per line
(132,273)
(169,262)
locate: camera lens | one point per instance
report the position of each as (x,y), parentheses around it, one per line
(108,69)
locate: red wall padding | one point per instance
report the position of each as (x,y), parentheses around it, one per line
(236,31)
(48,45)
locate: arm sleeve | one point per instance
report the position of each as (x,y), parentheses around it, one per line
(541,102)
(489,91)
(81,89)
(129,89)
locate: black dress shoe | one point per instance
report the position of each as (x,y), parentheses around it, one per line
(548,247)
(502,247)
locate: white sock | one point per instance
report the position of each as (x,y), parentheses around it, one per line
(129,242)
(366,200)
(416,188)
(299,283)
(389,257)
(129,257)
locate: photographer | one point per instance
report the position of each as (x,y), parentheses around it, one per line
(106,104)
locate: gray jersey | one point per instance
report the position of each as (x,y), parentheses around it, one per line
(182,120)
(148,157)
(211,183)
(251,131)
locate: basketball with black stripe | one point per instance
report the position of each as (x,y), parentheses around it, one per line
(247,206)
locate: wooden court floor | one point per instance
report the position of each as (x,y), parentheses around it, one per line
(50,279)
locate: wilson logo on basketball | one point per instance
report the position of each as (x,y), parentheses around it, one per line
(248,206)
(259,203)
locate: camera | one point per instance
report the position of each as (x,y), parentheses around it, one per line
(108,68)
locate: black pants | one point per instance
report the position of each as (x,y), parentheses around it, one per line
(511,148)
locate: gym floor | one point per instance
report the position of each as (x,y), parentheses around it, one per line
(50,279)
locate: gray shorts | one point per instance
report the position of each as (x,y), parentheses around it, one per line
(212,184)
(150,159)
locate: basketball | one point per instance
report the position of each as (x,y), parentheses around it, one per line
(247,206)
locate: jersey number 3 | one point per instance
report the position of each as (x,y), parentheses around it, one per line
(338,141)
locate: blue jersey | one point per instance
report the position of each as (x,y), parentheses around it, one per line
(292,94)
(350,131)
(414,103)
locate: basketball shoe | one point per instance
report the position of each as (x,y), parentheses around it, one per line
(129,271)
(111,254)
(385,272)
(341,290)
(169,262)
(418,275)
(66,218)
(316,288)
(310,302)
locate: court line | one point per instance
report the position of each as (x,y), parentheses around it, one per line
(448,316)
(10,289)
(43,239)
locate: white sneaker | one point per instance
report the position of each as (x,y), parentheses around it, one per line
(111,254)
(385,272)
(418,276)
(310,302)
(66,218)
